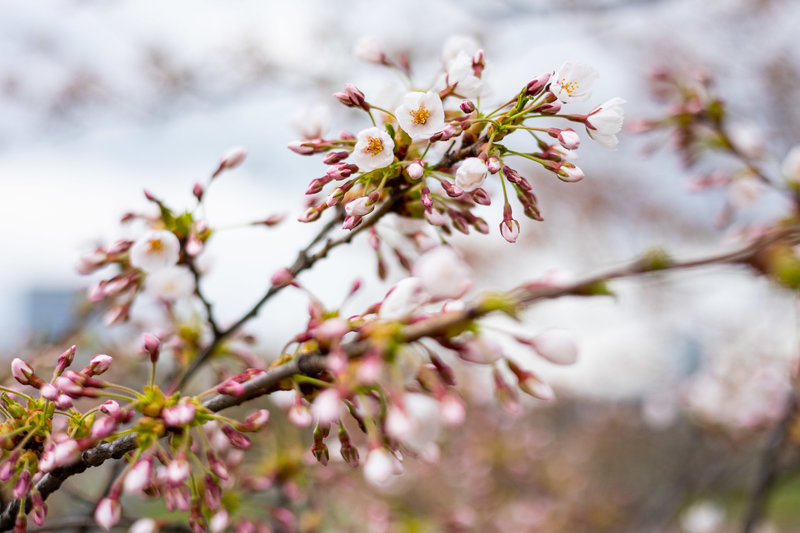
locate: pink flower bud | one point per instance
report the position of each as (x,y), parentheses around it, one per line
(177,471)
(557,346)
(63,401)
(327,406)
(359,207)
(179,415)
(231,388)
(352,97)
(451,190)
(104,427)
(144,525)
(282,278)
(9,467)
(236,439)
(49,392)
(351,221)
(550,108)
(68,387)
(301,147)
(509,229)
(64,453)
(333,328)
(493,165)
(255,421)
(217,466)
(467,106)
(65,359)
(435,218)
(151,346)
(311,214)
(138,477)
(426,198)
(219,522)
(111,408)
(451,409)
(415,170)
(299,414)
(97,365)
(569,139)
(23,484)
(335,157)
(107,513)
(569,173)
(23,372)
(340,171)
(198,191)
(537,85)
(231,159)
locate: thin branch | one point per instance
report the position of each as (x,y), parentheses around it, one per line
(305,260)
(768,468)
(199,293)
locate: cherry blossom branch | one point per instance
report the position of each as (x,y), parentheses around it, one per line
(199,293)
(311,364)
(304,261)
(256,387)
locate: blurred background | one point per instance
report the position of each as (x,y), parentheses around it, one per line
(657,428)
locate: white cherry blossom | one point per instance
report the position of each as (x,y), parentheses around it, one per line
(573,82)
(471,174)
(605,121)
(373,150)
(421,114)
(155,250)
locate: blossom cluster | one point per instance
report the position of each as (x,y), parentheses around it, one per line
(392,160)
(45,433)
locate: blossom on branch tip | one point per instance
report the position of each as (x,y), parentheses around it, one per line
(155,250)
(374,149)
(471,174)
(421,114)
(460,73)
(605,121)
(573,82)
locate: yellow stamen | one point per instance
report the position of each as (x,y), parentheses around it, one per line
(374,146)
(156,245)
(570,86)
(420,116)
